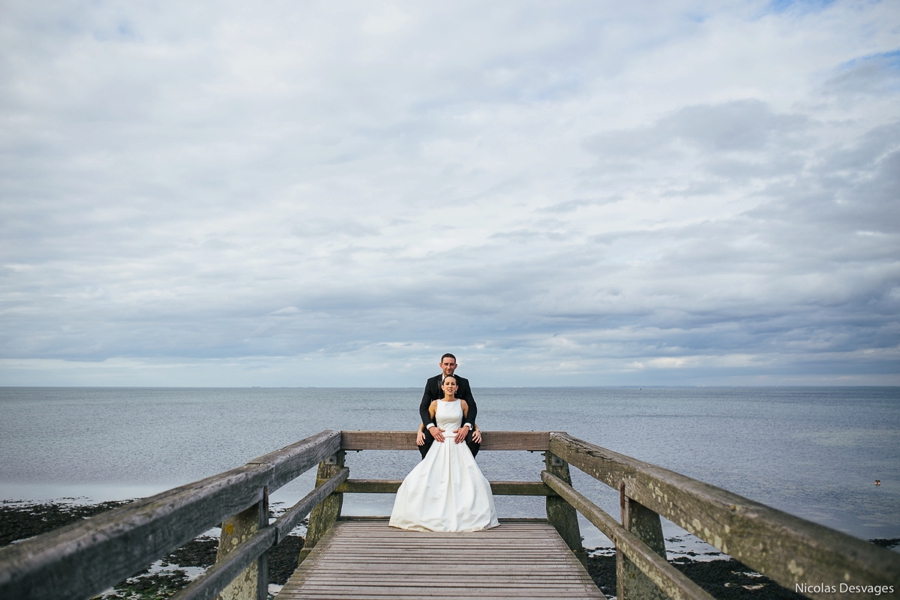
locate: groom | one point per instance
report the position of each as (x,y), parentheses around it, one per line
(433,391)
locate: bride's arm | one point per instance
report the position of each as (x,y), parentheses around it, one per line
(437,433)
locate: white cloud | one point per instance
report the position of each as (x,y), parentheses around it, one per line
(558,191)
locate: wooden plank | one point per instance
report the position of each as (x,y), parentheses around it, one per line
(428,579)
(536,441)
(370,486)
(367,559)
(785,548)
(84,558)
(520,488)
(376,521)
(510,569)
(439,590)
(498,488)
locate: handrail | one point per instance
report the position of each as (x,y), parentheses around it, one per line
(535,441)
(85,558)
(785,548)
(222,573)
(82,559)
(498,488)
(675,584)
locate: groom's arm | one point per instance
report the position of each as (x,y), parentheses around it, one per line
(424,406)
(466,394)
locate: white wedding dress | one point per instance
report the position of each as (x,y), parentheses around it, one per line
(446,491)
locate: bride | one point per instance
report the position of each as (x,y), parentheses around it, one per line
(446,491)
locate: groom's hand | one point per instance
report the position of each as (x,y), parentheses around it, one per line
(461,434)
(436,433)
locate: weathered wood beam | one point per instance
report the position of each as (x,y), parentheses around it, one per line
(217,577)
(292,517)
(293,460)
(560,513)
(785,548)
(84,558)
(521,488)
(370,486)
(406,440)
(498,488)
(252,583)
(631,582)
(670,580)
(326,512)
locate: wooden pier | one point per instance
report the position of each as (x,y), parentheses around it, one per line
(363,558)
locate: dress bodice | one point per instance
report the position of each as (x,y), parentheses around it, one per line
(448,415)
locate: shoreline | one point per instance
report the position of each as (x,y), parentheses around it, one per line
(724,578)
(20,520)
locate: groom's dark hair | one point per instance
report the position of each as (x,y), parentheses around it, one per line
(448,355)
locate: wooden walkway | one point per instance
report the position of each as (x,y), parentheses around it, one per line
(364,558)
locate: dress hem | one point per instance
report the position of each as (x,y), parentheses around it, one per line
(426,530)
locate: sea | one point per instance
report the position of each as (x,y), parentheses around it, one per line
(815,452)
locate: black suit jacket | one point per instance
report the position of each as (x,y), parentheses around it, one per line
(433,392)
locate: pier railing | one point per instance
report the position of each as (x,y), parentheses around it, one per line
(85,558)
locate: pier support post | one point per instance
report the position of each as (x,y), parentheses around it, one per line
(631,583)
(328,510)
(253,582)
(560,513)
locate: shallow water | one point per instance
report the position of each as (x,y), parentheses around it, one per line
(813,452)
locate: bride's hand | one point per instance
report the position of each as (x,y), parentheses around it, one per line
(476,436)
(420,438)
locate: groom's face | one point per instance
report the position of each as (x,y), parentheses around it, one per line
(448,365)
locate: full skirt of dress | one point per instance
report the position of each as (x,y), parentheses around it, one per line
(446,491)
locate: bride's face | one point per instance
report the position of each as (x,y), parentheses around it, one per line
(449,386)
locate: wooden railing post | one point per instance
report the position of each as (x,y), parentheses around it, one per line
(631,583)
(328,510)
(560,513)
(253,582)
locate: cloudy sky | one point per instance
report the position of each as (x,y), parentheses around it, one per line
(561,193)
